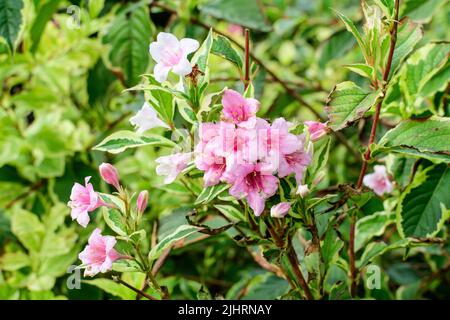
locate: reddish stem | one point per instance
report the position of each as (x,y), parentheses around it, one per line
(247,58)
(367,155)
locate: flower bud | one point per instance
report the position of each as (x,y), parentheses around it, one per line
(316,129)
(142,201)
(303,190)
(280,210)
(109,174)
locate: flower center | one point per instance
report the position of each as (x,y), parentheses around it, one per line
(171,56)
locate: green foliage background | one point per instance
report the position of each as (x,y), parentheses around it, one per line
(64,66)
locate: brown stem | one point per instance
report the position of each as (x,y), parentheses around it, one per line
(292,256)
(367,155)
(247,59)
(293,261)
(118,280)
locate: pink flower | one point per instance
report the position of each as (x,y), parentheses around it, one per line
(141,201)
(82,201)
(147,118)
(170,166)
(378,181)
(295,162)
(110,174)
(254,182)
(280,210)
(241,111)
(171,54)
(99,254)
(316,129)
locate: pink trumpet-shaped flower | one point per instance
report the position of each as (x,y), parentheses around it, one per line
(170,166)
(378,181)
(316,129)
(99,254)
(110,174)
(171,54)
(255,182)
(82,201)
(241,111)
(280,210)
(295,162)
(142,201)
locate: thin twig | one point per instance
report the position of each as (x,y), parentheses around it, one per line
(292,257)
(118,280)
(247,59)
(21,196)
(367,155)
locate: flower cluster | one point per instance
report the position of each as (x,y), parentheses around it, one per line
(248,152)
(99,254)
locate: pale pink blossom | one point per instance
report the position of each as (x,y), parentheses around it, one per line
(99,254)
(378,181)
(110,174)
(241,111)
(141,202)
(295,162)
(147,118)
(255,182)
(316,129)
(302,190)
(170,166)
(280,210)
(83,199)
(171,54)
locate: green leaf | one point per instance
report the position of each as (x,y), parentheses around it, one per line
(320,159)
(210,193)
(28,229)
(350,26)
(247,13)
(361,69)
(222,47)
(230,212)
(421,10)
(421,211)
(408,35)
(376,249)
(423,138)
(160,99)
(265,286)
(126,265)
(186,111)
(180,233)
(331,247)
(115,221)
(122,140)
(114,218)
(45,14)
(348,103)
(201,56)
(371,226)
(10,20)
(421,67)
(12,261)
(112,287)
(129,36)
